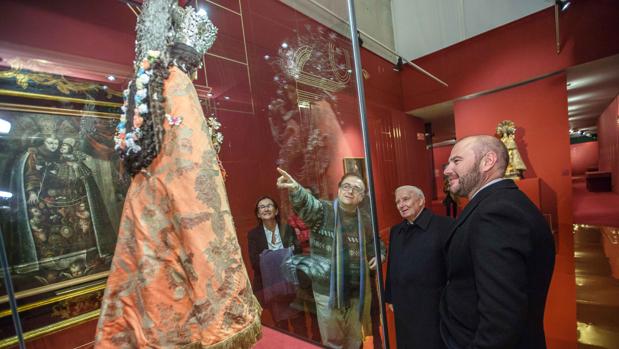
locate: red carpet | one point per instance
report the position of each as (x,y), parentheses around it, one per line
(594,208)
(272,339)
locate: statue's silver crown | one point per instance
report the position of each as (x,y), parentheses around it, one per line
(193,28)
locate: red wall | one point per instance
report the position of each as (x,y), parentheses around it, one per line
(583,156)
(441,157)
(608,138)
(537,109)
(95,29)
(515,52)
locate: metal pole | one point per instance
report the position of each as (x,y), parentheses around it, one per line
(8,283)
(368,158)
(557,29)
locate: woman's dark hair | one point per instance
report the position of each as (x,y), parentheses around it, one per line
(188,60)
(275,206)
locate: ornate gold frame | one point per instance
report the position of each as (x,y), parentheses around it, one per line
(360,162)
(86,286)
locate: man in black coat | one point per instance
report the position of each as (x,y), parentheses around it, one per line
(500,255)
(416,271)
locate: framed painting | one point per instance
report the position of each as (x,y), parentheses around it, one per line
(357,166)
(62,193)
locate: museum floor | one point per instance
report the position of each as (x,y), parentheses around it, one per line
(596,256)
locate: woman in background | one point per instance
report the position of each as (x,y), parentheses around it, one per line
(268,242)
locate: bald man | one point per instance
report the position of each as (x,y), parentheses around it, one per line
(500,255)
(416,271)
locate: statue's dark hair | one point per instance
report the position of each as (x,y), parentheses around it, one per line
(188,60)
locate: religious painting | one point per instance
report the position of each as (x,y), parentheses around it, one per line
(356,166)
(62,193)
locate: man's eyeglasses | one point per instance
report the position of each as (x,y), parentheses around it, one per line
(355,189)
(262,207)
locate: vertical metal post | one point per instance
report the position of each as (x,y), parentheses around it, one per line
(557,29)
(368,158)
(8,283)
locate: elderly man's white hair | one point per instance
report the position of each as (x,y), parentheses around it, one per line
(412,189)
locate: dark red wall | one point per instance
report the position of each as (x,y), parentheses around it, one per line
(95,29)
(608,138)
(583,156)
(441,157)
(539,111)
(515,52)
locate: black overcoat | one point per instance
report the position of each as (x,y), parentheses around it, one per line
(415,279)
(500,258)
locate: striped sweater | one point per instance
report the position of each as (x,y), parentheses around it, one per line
(320,217)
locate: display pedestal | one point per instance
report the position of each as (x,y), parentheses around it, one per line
(599,181)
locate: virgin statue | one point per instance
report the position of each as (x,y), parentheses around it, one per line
(177,278)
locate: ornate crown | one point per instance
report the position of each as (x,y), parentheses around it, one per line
(193,28)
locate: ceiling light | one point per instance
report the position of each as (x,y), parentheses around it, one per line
(266,57)
(227,98)
(563,4)
(111,77)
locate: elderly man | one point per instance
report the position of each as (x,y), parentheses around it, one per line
(500,255)
(416,271)
(342,249)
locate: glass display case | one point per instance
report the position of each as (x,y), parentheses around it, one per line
(284,88)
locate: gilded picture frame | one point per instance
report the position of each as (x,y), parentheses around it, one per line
(63,193)
(355,165)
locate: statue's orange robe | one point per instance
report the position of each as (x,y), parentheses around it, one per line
(177,277)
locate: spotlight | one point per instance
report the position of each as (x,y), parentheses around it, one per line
(398,65)
(563,4)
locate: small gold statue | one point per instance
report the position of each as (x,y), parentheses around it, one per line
(506,129)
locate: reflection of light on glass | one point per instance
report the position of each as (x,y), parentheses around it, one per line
(267,57)
(227,98)
(579,281)
(304,104)
(104,87)
(5,126)
(111,77)
(5,194)
(202,12)
(284,45)
(209,94)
